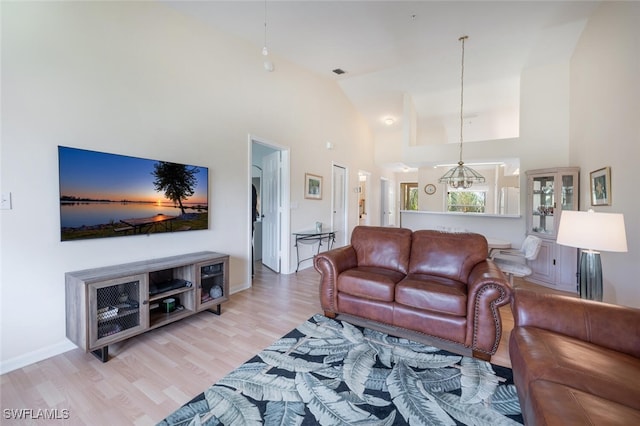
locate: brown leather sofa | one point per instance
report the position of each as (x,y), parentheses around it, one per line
(575,361)
(437,285)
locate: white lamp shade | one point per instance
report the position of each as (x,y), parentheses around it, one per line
(592,231)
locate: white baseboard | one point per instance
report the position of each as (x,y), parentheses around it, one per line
(35,356)
(243,287)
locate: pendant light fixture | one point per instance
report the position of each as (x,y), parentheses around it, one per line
(461,176)
(268,65)
(265,51)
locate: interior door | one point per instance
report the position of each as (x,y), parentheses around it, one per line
(363,198)
(384,202)
(339,216)
(271,220)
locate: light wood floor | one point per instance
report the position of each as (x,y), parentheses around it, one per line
(151,375)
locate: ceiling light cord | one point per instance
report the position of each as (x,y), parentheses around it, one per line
(462,39)
(265,51)
(461,176)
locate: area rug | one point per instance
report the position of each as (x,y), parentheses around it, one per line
(329,372)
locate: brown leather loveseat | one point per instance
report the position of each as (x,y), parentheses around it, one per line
(435,284)
(575,361)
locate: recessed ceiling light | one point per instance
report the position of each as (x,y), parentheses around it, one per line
(389,121)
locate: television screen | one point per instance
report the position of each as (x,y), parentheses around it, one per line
(110,195)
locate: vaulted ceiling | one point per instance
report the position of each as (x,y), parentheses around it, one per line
(392,48)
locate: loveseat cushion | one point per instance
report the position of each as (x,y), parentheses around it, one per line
(382,247)
(446,254)
(374,310)
(538,354)
(369,282)
(556,404)
(448,327)
(433,293)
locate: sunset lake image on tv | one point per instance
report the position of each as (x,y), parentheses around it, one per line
(110,195)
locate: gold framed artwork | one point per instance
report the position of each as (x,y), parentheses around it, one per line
(312,186)
(600,181)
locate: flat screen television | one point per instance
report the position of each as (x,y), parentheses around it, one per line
(111,195)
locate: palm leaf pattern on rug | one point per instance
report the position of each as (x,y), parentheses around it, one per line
(329,372)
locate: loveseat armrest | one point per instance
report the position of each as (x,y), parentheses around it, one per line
(488,289)
(330,264)
(611,326)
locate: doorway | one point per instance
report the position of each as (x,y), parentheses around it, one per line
(387,203)
(384,202)
(269,168)
(364,197)
(339,204)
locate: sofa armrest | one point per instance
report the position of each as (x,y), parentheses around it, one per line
(330,264)
(611,326)
(487,274)
(488,289)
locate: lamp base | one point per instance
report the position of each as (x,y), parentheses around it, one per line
(590,275)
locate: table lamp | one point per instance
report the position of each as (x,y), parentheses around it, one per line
(592,232)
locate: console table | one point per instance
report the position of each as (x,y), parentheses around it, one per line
(312,237)
(109,304)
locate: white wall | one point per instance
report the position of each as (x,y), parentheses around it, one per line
(140,79)
(491,226)
(605,131)
(543,142)
(583,113)
(544,130)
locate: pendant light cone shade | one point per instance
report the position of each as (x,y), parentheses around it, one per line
(461,176)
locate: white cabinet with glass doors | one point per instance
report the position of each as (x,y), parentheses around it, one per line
(549,193)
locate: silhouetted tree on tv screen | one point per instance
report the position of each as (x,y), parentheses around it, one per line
(176,180)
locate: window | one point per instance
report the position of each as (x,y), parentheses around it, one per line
(466,201)
(409,193)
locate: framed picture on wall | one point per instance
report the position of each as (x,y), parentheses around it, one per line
(312,186)
(600,187)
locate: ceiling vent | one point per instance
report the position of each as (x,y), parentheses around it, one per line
(339,71)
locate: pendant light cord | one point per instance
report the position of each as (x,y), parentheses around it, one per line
(462,39)
(461,176)
(265,52)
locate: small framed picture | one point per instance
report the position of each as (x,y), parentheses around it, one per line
(600,187)
(312,186)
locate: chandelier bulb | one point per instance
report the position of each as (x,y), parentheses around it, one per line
(265,52)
